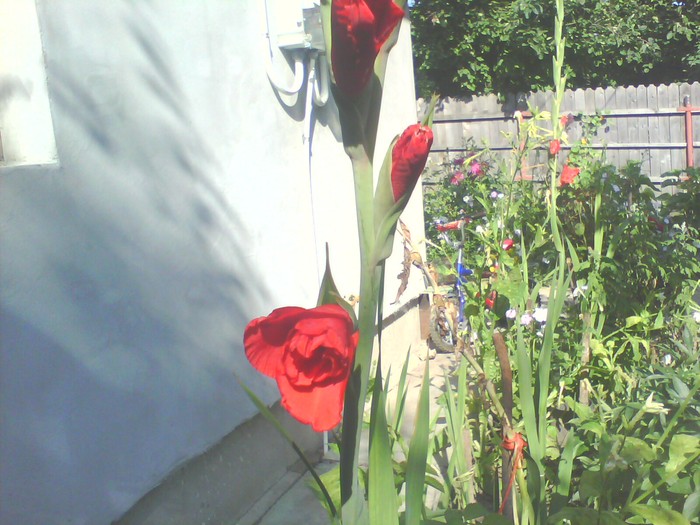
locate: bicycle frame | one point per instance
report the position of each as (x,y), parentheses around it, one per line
(462,271)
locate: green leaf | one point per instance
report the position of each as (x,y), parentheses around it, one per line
(572,253)
(331,481)
(496,519)
(418,455)
(584,516)
(566,464)
(470,512)
(591,484)
(633,320)
(681,388)
(383,504)
(658,516)
(691,507)
(401,393)
(636,449)
(682,448)
(455,421)
(681,486)
(329,294)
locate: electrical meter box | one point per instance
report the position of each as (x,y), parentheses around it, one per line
(295,24)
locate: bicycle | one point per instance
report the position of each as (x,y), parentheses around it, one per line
(445,323)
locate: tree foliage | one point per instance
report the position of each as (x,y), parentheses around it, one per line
(465,47)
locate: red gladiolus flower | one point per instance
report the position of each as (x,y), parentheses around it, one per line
(568,175)
(310,354)
(507,244)
(490,301)
(359,29)
(408,158)
(554,147)
(565,120)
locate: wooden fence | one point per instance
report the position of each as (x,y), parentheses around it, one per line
(658,126)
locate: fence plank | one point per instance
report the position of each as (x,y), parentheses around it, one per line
(608,105)
(622,125)
(643,130)
(654,128)
(663,99)
(695,102)
(635,154)
(677,123)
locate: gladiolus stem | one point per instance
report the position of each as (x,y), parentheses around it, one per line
(352,497)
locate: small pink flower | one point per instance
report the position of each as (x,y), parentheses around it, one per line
(458,177)
(476,169)
(507,244)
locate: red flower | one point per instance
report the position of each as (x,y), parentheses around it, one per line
(408,159)
(310,354)
(490,301)
(656,222)
(507,244)
(568,175)
(359,28)
(565,120)
(554,147)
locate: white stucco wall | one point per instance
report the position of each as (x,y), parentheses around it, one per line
(181,206)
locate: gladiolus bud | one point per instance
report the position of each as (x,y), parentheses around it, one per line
(359,28)
(408,159)
(568,175)
(554,147)
(403,164)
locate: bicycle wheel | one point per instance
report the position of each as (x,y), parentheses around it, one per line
(441,335)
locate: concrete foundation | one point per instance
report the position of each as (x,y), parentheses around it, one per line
(224,483)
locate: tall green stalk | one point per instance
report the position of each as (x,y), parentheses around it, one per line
(534,400)
(352,497)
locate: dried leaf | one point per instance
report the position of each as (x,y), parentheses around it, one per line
(405,273)
(405,231)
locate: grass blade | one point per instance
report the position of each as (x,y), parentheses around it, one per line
(383,504)
(418,455)
(265,411)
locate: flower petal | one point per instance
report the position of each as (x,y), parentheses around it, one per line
(318,406)
(264,338)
